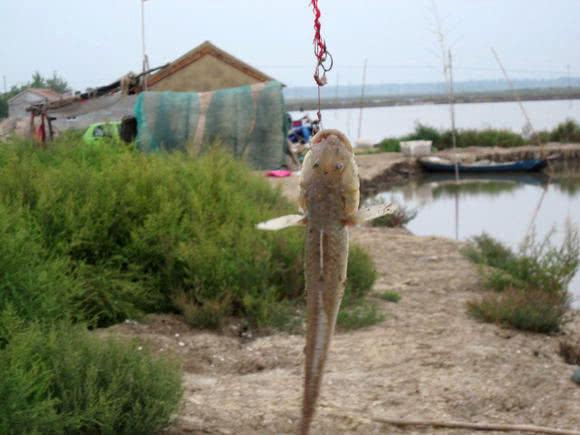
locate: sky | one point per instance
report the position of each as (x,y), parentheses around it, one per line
(92,43)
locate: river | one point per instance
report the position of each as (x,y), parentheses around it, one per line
(380,122)
(502,207)
(505,207)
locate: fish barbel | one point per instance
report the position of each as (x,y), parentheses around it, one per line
(329,199)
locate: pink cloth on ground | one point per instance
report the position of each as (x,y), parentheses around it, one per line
(279,173)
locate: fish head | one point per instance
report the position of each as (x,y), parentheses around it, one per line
(330,160)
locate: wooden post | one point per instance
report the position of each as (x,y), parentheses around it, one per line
(50,130)
(32,125)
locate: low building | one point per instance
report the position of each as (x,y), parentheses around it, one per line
(205,68)
(235,104)
(18,104)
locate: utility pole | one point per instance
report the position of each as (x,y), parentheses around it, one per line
(336,94)
(569,86)
(349,117)
(447,63)
(145,58)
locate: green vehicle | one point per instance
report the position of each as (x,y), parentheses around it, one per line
(100,131)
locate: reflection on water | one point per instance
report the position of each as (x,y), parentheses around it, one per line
(504,206)
(470,187)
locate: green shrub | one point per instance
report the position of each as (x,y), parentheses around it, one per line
(360,314)
(541,136)
(130,233)
(485,250)
(424,132)
(34,284)
(361,275)
(390,145)
(528,309)
(549,267)
(482,138)
(63,380)
(139,228)
(567,131)
(390,296)
(531,286)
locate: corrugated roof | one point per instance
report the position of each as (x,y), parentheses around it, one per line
(49,94)
(207,48)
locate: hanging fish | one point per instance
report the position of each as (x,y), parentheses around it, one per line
(329,200)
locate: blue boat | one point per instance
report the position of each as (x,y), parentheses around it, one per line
(437,164)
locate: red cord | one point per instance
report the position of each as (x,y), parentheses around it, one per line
(319,44)
(320,53)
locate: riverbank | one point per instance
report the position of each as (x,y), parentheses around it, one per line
(428,360)
(381,171)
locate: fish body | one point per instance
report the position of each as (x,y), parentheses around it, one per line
(329,200)
(329,197)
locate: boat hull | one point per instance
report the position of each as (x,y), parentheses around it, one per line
(530,165)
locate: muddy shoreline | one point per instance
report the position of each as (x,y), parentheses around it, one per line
(428,360)
(379,172)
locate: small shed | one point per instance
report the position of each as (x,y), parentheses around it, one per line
(205,68)
(17,104)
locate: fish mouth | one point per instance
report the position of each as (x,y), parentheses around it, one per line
(339,137)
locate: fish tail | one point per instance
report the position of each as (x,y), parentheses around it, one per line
(319,333)
(325,272)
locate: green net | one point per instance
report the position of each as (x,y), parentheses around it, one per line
(248,121)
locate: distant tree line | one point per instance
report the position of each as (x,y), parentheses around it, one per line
(56,83)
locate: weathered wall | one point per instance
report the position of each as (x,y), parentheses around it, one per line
(17,106)
(104,109)
(205,74)
(76,116)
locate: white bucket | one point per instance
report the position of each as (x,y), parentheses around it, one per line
(416,148)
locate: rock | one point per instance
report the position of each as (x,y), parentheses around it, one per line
(576,375)
(504,333)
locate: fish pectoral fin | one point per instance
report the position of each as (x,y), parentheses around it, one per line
(279,223)
(374,211)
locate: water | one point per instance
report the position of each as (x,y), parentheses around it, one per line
(502,206)
(380,122)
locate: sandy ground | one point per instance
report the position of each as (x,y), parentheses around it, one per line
(427,360)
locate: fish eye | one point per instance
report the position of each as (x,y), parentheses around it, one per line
(339,166)
(316,164)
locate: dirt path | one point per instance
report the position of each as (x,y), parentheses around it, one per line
(427,360)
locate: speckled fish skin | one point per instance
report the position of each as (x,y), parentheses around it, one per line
(329,197)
